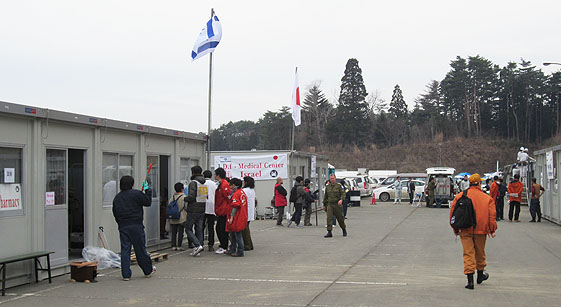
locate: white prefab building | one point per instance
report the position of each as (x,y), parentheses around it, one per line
(266,165)
(547,171)
(60,171)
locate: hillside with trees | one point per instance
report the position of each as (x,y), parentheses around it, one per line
(477,102)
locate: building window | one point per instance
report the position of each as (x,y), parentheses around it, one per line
(10,181)
(184,170)
(56,175)
(114,167)
(185,165)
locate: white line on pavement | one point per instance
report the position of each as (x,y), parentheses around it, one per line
(370,283)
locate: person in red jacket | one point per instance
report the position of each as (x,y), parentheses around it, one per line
(474,238)
(221,208)
(515,189)
(280,200)
(237,219)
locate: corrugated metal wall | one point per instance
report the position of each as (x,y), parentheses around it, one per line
(551,200)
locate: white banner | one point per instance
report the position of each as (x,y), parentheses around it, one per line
(10,197)
(549,165)
(313,167)
(264,167)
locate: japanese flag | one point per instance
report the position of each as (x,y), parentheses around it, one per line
(296,107)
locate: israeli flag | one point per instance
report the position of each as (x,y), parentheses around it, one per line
(208,38)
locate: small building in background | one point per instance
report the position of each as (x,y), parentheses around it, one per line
(547,171)
(59,172)
(265,166)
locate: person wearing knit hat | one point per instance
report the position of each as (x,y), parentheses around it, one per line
(474,238)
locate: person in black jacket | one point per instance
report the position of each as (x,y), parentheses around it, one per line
(310,199)
(299,203)
(129,214)
(411,191)
(500,202)
(196,206)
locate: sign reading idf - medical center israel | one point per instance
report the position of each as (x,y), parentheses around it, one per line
(263,167)
(10,197)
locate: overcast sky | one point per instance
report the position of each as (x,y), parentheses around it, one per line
(130,59)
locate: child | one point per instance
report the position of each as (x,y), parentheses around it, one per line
(237,220)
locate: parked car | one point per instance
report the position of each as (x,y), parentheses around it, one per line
(380,175)
(446,188)
(404,177)
(350,183)
(373,182)
(386,193)
(363,185)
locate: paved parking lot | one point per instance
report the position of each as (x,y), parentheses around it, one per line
(395,255)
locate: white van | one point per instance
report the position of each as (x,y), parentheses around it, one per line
(444,178)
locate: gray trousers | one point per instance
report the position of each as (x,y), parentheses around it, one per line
(280,214)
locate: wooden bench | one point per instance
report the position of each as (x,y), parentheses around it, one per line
(38,267)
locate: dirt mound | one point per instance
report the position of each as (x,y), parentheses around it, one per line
(465,155)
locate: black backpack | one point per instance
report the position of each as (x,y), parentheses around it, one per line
(293,195)
(463,215)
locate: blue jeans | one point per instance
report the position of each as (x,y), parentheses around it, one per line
(535,209)
(197,220)
(134,235)
(236,245)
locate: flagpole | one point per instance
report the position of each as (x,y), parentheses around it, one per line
(293,130)
(209,104)
(293,123)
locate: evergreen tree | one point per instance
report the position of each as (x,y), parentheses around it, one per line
(317,110)
(554,101)
(240,135)
(428,114)
(275,129)
(350,124)
(482,90)
(454,94)
(398,107)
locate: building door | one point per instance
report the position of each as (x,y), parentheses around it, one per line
(56,206)
(76,195)
(152,213)
(164,195)
(155,215)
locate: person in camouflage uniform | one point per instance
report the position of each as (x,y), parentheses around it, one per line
(333,205)
(431,187)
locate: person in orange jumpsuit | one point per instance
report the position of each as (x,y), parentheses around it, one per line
(474,238)
(494,193)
